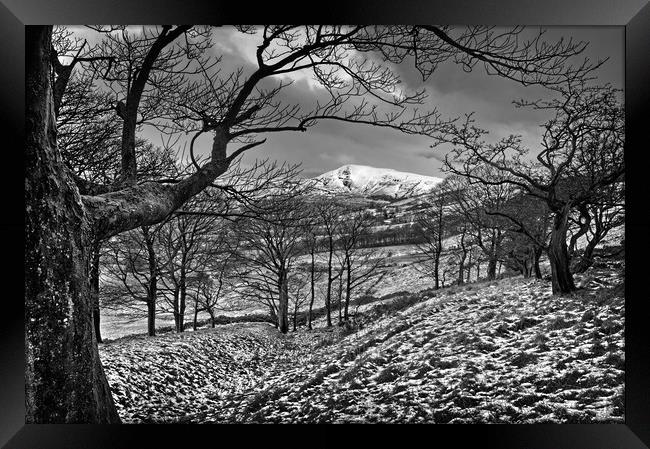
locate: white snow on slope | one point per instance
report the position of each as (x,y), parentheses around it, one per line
(506,351)
(362,179)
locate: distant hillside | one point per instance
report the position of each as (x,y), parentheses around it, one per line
(378,182)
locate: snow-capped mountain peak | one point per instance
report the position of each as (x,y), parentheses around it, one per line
(365,180)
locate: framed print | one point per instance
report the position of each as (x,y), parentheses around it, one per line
(439,218)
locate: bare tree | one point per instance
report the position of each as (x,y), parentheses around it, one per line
(185,241)
(213,281)
(132,268)
(581,153)
(313,245)
(329,219)
(433,229)
(357,266)
(297,297)
(461,252)
(530,218)
(268,250)
(473,202)
(594,221)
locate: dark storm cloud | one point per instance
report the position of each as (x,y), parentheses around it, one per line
(455,92)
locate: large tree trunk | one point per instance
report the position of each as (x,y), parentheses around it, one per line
(283,303)
(561,277)
(64,379)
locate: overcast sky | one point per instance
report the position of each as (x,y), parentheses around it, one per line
(453,92)
(331,144)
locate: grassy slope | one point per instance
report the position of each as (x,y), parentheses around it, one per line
(505,351)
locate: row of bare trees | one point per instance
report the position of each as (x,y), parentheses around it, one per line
(308,247)
(173,262)
(272,257)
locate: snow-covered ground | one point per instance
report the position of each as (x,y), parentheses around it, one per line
(497,352)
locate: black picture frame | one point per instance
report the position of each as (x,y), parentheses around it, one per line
(634,15)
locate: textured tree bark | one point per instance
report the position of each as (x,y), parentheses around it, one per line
(562,279)
(128,145)
(64,379)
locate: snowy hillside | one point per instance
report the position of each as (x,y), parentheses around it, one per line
(495,352)
(365,180)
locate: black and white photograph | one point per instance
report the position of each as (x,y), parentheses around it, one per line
(341,224)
